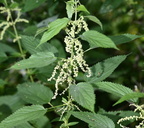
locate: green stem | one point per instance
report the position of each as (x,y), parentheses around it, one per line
(18,41)
(75,10)
(53,107)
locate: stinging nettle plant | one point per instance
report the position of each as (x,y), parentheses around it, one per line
(73,100)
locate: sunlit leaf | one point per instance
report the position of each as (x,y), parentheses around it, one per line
(54,28)
(96,39)
(130,96)
(82,8)
(95,19)
(70,8)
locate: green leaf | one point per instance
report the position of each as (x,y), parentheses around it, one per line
(72,123)
(44,73)
(116,115)
(56,43)
(24,125)
(110,5)
(103,69)
(3,57)
(14,102)
(41,30)
(45,22)
(54,28)
(97,39)
(30,44)
(5,111)
(34,93)
(42,122)
(40,59)
(83,94)
(32,4)
(30,30)
(6,48)
(2,1)
(130,96)
(14,5)
(124,38)
(94,120)
(82,8)
(2,82)
(23,115)
(115,89)
(70,8)
(95,19)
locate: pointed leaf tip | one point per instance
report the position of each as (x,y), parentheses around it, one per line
(96,39)
(54,28)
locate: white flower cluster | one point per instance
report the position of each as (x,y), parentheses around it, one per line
(67,69)
(76,26)
(65,74)
(9,21)
(139,108)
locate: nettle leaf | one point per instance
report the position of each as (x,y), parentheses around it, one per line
(37,60)
(3,57)
(24,125)
(45,22)
(103,69)
(83,94)
(30,44)
(82,8)
(6,48)
(35,93)
(42,122)
(70,8)
(14,102)
(95,19)
(41,30)
(94,120)
(57,44)
(130,96)
(116,115)
(23,115)
(96,39)
(124,38)
(54,28)
(32,4)
(115,89)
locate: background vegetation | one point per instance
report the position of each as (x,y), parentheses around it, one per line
(117,17)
